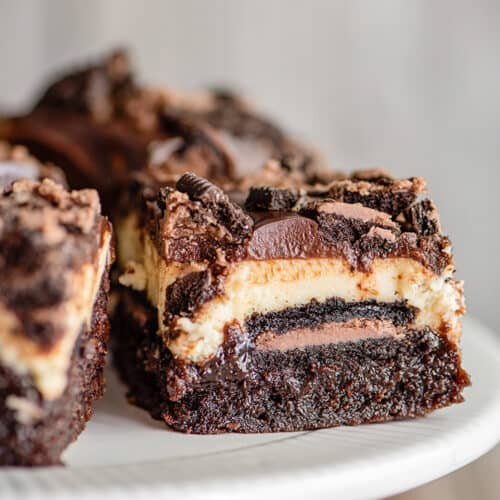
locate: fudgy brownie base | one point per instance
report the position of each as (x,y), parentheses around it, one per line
(43,441)
(246,390)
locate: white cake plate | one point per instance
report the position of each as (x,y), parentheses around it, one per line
(125,454)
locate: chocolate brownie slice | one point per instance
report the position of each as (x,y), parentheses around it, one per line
(99,124)
(304,307)
(54,258)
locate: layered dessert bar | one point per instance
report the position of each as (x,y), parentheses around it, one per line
(54,259)
(99,124)
(299,308)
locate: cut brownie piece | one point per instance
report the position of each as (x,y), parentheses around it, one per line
(99,124)
(54,259)
(80,123)
(305,308)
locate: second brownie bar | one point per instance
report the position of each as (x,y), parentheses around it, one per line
(54,259)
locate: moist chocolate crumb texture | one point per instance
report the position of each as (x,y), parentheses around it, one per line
(99,124)
(54,259)
(302,306)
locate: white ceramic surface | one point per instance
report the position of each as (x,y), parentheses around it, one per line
(124,454)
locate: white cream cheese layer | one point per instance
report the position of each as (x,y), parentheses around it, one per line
(273,285)
(49,367)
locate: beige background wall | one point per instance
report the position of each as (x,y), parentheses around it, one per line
(412,85)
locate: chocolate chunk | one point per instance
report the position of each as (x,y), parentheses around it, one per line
(230,215)
(270,198)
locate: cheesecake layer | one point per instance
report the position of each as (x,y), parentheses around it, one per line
(266,286)
(48,366)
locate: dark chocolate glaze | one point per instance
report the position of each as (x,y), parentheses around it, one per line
(285,235)
(309,231)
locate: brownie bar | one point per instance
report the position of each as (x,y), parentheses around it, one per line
(303,307)
(54,259)
(99,124)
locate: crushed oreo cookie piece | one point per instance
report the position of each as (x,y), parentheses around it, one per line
(388,196)
(271,198)
(230,215)
(198,188)
(422,218)
(188,293)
